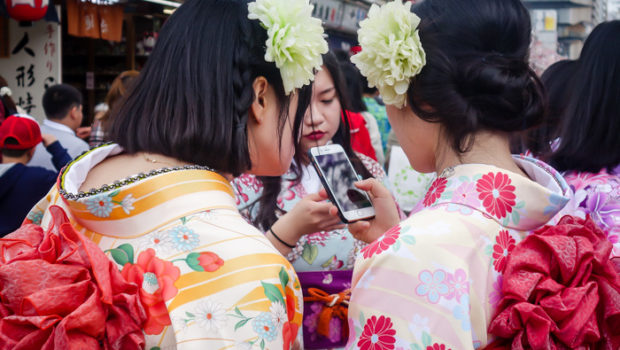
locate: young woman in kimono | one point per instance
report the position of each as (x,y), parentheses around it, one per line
(589,145)
(456,85)
(296,218)
(213,101)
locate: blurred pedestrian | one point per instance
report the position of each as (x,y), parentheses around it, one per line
(22,186)
(63,108)
(117,91)
(589,135)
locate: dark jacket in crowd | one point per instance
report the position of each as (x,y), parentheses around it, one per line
(22,186)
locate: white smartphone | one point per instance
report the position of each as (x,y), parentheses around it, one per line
(338,177)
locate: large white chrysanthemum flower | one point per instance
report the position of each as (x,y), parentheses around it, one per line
(296,39)
(391,50)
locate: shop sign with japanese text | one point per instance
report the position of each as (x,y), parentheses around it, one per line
(34,63)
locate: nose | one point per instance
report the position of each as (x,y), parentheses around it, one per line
(313,117)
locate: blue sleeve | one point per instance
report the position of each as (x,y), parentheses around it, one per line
(60,157)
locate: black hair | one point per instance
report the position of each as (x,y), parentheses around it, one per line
(477,75)
(367,89)
(590,129)
(354,90)
(557,80)
(272,185)
(341,55)
(59,99)
(13,153)
(192,99)
(6,102)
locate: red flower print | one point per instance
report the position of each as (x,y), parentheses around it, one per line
(156,278)
(291,301)
(378,334)
(505,244)
(210,261)
(289,334)
(496,193)
(437,347)
(382,243)
(434,192)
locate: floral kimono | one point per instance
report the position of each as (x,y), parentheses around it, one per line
(323,260)
(208,279)
(434,281)
(598,195)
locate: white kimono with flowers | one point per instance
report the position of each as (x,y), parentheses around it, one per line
(435,279)
(208,279)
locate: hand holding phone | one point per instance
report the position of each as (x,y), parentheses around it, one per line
(310,215)
(386,212)
(339,177)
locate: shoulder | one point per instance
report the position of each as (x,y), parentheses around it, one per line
(580,180)
(66,138)
(39,172)
(78,143)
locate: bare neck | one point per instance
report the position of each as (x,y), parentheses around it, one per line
(21,160)
(490,148)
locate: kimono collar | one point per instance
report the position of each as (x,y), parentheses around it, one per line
(514,201)
(143,202)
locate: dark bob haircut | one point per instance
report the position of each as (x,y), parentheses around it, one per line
(477,75)
(590,129)
(192,99)
(59,99)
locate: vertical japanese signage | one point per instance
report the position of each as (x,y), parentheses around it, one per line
(34,63)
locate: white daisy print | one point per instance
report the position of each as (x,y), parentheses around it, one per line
(159,241)
(127,203)
(184,238)
(278,314)
(210,315)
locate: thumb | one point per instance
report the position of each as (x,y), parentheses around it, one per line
(374,187)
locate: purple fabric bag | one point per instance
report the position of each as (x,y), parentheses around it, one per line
(330,282)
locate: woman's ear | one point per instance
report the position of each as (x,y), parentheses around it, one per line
(259,105)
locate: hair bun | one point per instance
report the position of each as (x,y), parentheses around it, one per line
(502,93)
(477,75)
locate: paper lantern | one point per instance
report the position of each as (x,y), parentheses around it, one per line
(27,10)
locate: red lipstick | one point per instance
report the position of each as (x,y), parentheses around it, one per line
(315,135)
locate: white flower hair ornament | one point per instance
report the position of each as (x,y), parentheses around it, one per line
(295,39)
(391,53)
(5,91)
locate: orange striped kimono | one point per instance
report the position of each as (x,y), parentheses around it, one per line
(209,280)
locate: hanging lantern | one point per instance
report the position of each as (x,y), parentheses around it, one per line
(27,10)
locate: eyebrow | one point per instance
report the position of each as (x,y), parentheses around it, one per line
(327,90)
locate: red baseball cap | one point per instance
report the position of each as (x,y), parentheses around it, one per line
(24,129)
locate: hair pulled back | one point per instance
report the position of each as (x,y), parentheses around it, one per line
(192,99)
(477,75)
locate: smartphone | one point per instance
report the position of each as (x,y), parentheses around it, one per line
(338,177)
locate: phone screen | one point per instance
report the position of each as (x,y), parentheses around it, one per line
(341,177)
